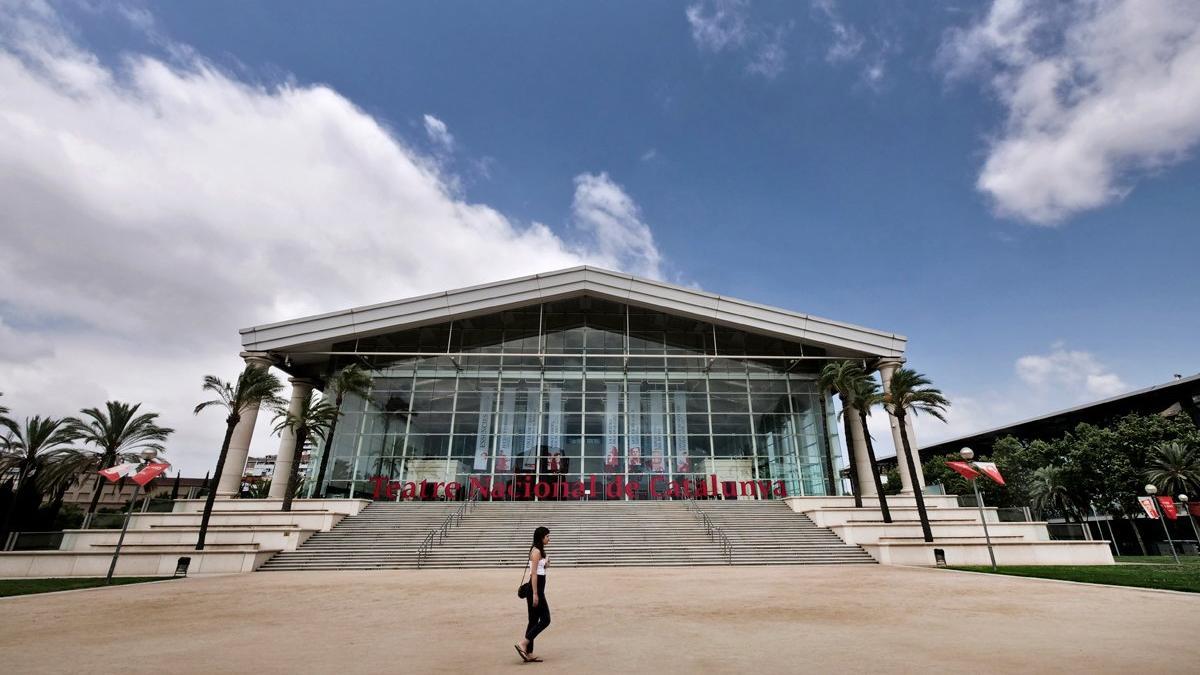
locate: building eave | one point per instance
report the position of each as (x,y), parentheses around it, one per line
(305,332)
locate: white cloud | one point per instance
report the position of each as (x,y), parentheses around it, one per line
(650,155)
(613,222)
(847,41)
(849,46)
(154,206)
(1096,94)
(718,24)
(723,25)
(438,133)
(770,59)
(1072,373)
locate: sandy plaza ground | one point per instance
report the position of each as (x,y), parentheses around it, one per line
(716,619)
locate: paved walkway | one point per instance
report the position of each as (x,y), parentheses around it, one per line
(769,619)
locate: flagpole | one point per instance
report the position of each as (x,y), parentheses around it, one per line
(112,566)
(968,454)
(1151,490)
(148,454)
(1186,507)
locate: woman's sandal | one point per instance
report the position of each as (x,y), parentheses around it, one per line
(524,656)
(534,659)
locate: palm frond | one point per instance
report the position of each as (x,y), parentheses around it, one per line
(910,392)
(839,376)
(119,428)
(1174,468)
(352,379)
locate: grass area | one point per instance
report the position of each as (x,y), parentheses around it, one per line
(1139,571)
(29,586)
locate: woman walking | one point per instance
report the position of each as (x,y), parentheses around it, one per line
(535,594)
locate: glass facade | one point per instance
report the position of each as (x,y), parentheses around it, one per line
(583,398)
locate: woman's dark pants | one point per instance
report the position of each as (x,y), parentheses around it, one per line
(539,617)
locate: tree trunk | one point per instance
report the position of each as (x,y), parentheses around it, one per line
(883,505)
(293,479)
(912,474)
(12,506)
(231,422)
(107,461)
(328,447)
(850,453)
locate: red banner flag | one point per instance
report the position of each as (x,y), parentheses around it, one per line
(990,469)
(115,473)
(963,469)
(1167,504)
(149,473)
(1194,509)
(1148,506)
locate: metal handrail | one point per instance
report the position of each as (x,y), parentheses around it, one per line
(439,533)
(715,532)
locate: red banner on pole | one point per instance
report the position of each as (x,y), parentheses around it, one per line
(1167,504)
(149,473)
(115,473)
(990,469)
(1148,506)
(963,469)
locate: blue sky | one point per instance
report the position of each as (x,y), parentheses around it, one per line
(897,165)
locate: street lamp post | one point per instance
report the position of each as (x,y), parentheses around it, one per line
(149,455)
(1184,500)
(968,454)
(1152,490)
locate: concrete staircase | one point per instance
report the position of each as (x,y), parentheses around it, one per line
(385,535)
(583,534)
(770,533)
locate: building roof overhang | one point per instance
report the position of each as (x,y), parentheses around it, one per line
(314,332)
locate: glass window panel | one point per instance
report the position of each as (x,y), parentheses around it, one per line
(428,445)
(731,424)
(759,385)
(697,445)
(733,446)
(774,423)
(430,423)
(696,424)
(769,403)
(728,396)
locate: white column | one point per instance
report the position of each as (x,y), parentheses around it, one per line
(301,390)
(858,446)
(886,368)
(239,444)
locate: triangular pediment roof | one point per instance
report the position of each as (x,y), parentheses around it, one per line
(313,332)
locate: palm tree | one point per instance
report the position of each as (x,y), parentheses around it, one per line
(909,392)
(6,425)
(27,450)
(866,395)
(839,376)
(311,422)
(1048,491)
(255,386)
(119,433)
(1174,468)
(352,379)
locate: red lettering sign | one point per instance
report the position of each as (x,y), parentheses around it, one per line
(556,487)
